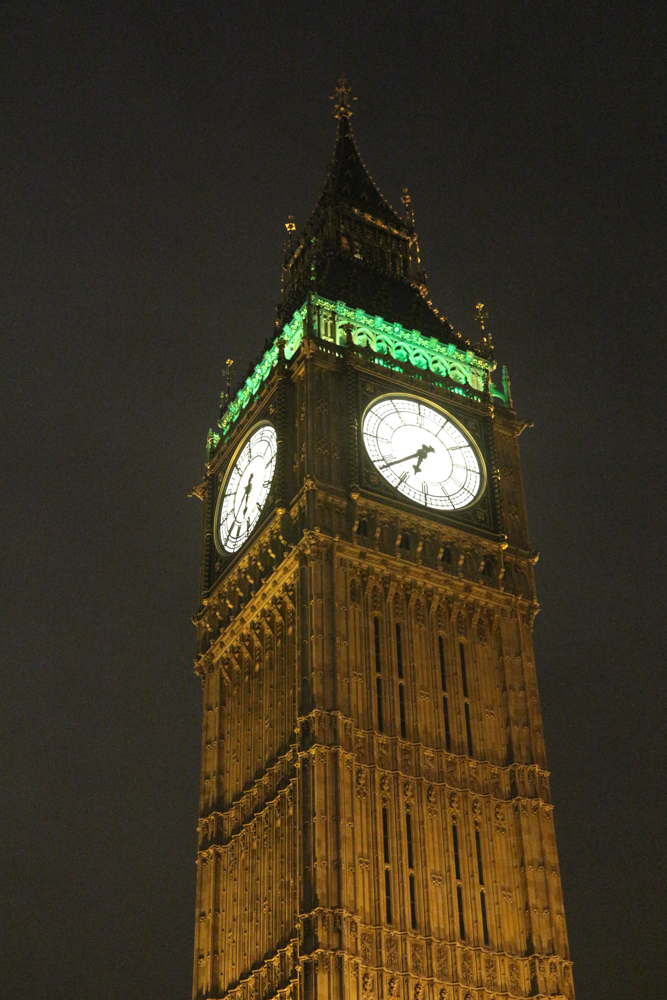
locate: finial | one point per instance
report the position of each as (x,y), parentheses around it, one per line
(482,314)
(228,387)
(343,99)
(225,397)
(290,237)
(409,213)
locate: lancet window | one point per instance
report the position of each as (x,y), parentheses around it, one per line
(443,686)
(411,869)
(482,887)
(387,864)
(401,679)
(466,697)
(378,673)
(459,883)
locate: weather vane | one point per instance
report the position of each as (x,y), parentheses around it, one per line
(343,99)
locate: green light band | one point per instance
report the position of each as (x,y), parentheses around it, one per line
(388,340)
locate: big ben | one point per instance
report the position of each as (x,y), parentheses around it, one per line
(375,816)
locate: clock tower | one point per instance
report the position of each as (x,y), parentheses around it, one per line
(375,815)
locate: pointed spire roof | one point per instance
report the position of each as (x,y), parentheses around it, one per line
(349,182)
(355,248)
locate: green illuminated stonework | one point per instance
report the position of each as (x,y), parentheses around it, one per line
(332,322)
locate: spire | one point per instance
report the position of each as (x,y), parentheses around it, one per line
(290,235)
(409,211)
(343,99)
(348,181)
(355,248)
(480,315)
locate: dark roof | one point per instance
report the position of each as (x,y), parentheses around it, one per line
(356,249)
(349,182)
(378,295)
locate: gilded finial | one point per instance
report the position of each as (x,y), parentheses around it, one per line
(289,245)
(482,314)
(342,98)
(228,385)
(226,394)
(409,212)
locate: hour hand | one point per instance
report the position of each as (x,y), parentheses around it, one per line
(246,494)
(421,455)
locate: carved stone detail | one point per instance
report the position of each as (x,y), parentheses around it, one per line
(392,953)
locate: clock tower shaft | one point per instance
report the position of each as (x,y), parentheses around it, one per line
(375,814)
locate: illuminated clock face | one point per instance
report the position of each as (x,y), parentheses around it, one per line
(246,488)
(423,453)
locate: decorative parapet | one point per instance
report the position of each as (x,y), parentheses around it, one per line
(393,341)
(292,335)
(331,322)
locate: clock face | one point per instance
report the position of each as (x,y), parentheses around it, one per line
(423,453)
(246,488)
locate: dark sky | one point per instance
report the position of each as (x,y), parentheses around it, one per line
(151,153)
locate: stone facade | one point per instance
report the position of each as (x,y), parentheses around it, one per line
(375,816)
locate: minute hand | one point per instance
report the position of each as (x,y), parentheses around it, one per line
(420,455)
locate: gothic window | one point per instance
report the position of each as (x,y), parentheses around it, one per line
(411,869)
(489,569)
(405,541)
(459,883)
(466,699)
(447,556)
(387,863)
(378,673)
(362,528)
(482,888)
(443,685)
(328,327)
(401,680)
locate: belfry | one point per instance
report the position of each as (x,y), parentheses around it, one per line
(375,816)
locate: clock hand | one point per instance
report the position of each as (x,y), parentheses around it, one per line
(246,494)
(397,461)
(420,454)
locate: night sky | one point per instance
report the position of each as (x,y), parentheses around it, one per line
(151,153)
